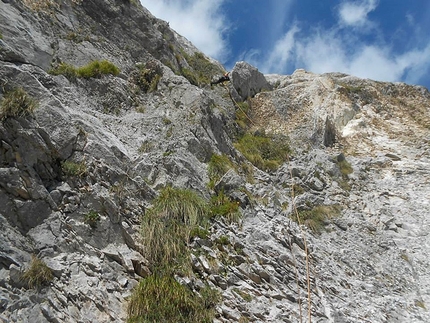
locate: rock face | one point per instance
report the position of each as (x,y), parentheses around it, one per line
(78,173)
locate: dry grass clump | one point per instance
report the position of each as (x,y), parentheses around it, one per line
(41,5)
(16,103)
(38,273)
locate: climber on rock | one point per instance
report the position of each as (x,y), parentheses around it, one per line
(222,79)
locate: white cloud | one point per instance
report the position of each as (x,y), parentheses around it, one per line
(355,13)
(375,63)
(200,21)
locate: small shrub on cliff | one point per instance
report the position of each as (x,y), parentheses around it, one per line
(92,218)
(37,274)
(16,103)
(160,298)
(73,169)
(147,76)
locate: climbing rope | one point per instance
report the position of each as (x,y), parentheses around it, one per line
(297,281)
(308,280)
(236,104)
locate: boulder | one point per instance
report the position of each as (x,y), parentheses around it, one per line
(247,80)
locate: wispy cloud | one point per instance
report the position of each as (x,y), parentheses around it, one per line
(278,12)
(283,51)
(201,21)
(354,13)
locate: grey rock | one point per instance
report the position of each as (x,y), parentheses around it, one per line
(247,80)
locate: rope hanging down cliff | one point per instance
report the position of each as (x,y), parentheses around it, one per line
(237,105)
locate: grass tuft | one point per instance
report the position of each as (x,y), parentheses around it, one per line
(176,216)
(167,226)
(69,71)
(94,69)
(37,274)
(224,207)
(160,298)
(97,69)
(16,103)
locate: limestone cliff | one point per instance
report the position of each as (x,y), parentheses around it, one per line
(103,106)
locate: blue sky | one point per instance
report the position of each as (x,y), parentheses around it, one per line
(384,40)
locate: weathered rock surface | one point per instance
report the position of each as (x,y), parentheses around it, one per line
(369,264)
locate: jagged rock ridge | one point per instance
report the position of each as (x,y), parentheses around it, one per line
(369,264)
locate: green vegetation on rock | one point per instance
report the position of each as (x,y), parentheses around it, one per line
(160,298)
(217,167)
(345,169)
(94,69)
(265,152)
(222,206)
(201,70)
(167,226)
(146,76)
(97,69)
(175,217)
(73,169)
(92,218)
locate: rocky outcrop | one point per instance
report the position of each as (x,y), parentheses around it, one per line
(248,80)
(78,174)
